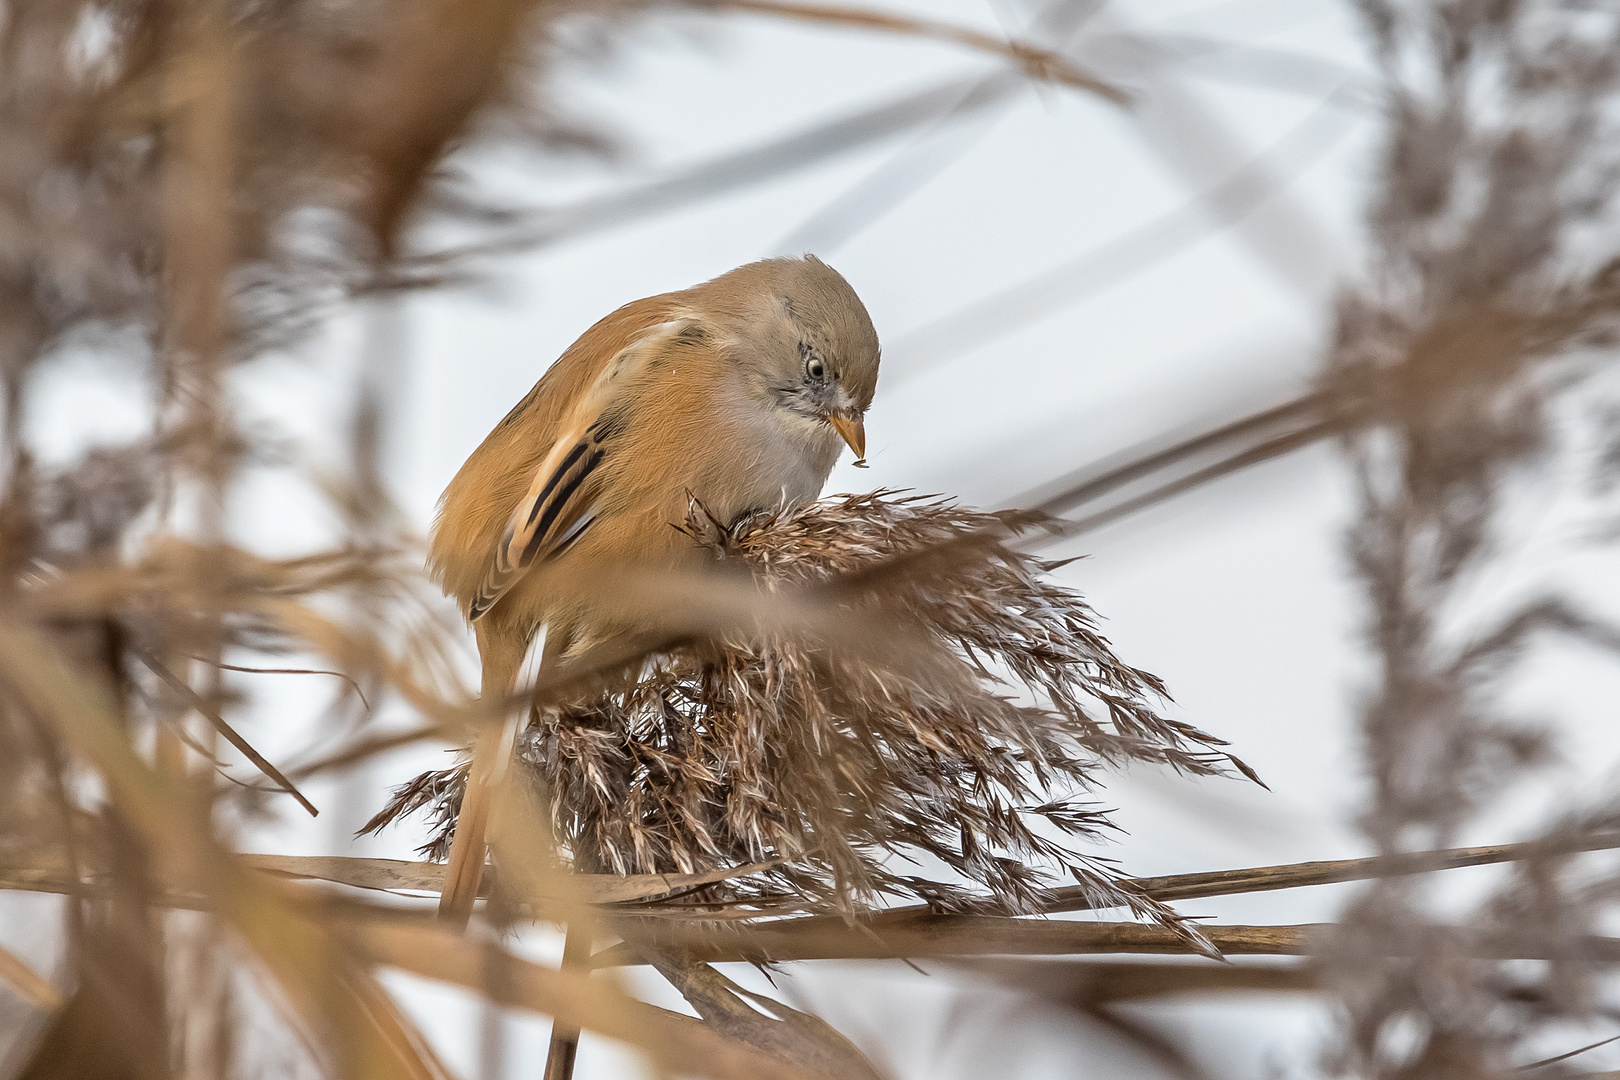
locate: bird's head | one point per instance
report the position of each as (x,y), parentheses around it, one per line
(803,341)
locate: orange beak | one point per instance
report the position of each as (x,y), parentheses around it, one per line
(854,433)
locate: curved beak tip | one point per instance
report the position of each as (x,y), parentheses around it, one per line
(854,433)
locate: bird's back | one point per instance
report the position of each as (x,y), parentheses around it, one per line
(478,502)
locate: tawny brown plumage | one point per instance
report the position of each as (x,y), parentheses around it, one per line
(737,392)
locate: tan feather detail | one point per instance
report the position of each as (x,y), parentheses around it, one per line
(561,500)
(477,504)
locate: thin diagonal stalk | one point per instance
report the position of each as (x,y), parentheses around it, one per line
(29,984)
(1037,62)
(994,935)
(231,735)
(1101,982)
(1254,879)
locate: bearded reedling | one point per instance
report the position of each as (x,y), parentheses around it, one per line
(737,392)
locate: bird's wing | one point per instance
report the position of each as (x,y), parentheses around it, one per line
(561,501)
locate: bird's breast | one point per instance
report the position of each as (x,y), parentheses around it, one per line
(772,458)
(709,438)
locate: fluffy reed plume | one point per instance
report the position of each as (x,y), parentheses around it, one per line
(837,766)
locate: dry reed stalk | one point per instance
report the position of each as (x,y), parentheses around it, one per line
(995,935)
(644,895)
(1097,982)
(29,984)
(1037,62)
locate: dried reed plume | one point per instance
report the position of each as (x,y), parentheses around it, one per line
(833,765)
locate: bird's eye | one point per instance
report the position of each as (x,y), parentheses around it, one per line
(815,368)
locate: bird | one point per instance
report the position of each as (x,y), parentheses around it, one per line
(739,393)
